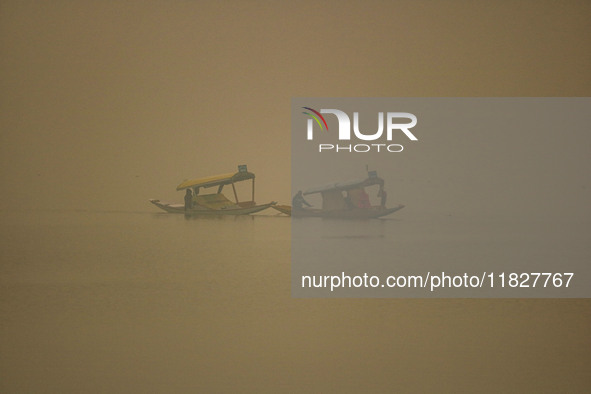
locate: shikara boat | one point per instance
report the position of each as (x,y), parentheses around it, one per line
(348,200)
(215,203)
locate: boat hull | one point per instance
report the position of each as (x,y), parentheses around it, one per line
(180,208)
(286,209)
(355,213)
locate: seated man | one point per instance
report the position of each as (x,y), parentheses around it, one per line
(188,200)
(298,201)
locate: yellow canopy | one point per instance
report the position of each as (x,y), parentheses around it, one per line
(216,180)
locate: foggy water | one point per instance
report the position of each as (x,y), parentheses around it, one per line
(150,302)
(105,104)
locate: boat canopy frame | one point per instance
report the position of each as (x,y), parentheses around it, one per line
(220,181)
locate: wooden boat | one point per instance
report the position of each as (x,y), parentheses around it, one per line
(348,200)
(215,203)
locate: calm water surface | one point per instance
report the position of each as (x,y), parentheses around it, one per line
(148,302)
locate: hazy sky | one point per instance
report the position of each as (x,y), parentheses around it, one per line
(106,104)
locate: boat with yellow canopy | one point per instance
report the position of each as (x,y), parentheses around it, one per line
(215,203)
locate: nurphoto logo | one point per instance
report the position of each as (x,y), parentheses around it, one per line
(393,125)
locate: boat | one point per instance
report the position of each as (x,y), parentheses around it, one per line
(215,203)
(348,200)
